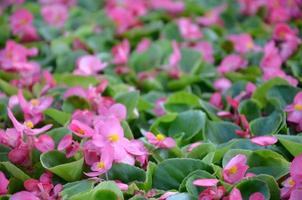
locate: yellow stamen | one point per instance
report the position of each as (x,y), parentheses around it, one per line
(29,124)
(298,107)
(35,102)
(250,45)
(233,170)
(160,137)
(291,182)
(114,137)
(101,165)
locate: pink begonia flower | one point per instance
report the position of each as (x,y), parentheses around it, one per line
(222,84)
(250,7)
(212,193)
(245,133)
(174,59)
(19,155)
(270,72)
(69,145)
(33,109)
(44,143)
(75,91)
(122,186)
(288,47)
(265,140)
(27,127)
(294,111)
(117,110)
(21,25)
(257,196)
(232,63)
(121,53)
(193,146)
(206,50)
(104,164)
(14,55)
(212,17)
(10,137)
(188,29)
(55,15)
(23,195)
(89,65)
(167,195)
(283,32)
(235,194)
(168,5)
(216,100)
(278,15)
(206,182)
(243,43)
(235,170)
(80,129)
(160,140)
(69,3)
(271,58)
(143,45)
(3,184)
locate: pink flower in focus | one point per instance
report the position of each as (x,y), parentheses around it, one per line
(69,145)
(235,194)
(212,193)
(89,65)
(205,182)
(160,141)
(232,63)
(294,111)
(27,127)
(80,129)
(266,140)
(188,29)
(44,143)
(20,155)
(3,184)
(55,15)
(235,170)
(121,53)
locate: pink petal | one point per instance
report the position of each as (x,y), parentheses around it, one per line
(37,131)
(295,169)
(169,143)
(257,196)
(24,196)
(264,140)
(119,111)
(45,143)
(296,194)
(3,184)
(206,182)
(65,142)
(235,194)
(20,127)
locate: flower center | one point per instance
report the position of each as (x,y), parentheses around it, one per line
(233,170)
(113,137)
(298,107)
(35,102)
(29,124)
(160,137)
(101,165)
(250,45)
(291,182)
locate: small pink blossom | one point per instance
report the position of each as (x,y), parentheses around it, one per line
(243,43)
(89,65)
(222,84)
(80,129)
(121,53)
(143,45)
(188,29)
(3,184)
(169,5)
(23,195)
(55,14)
(160,141)
(69,145)
(236,169)
(294,111)
(235,194)
(232,63)
(206,50)
(271,58)
(206,182)
(44,143)
(212,17)
(264,140)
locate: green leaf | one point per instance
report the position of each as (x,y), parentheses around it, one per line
(59,116)
(12,90)
(67,168)
(126,173)
(201,150)
(190,59)
(261,91)
(220,132)
(15,171)
(183,98)
(267,125)
(58,133)
(271,183)
(248,187)
(268,162)
(130,100)
(283,93)
(170,173)
(73,103)
(149,176)
(74,188)
(190,122)
(72,80)
(293,143)
(250,108)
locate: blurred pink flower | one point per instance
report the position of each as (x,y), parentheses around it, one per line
(271,58)
(168,5)
(89,65)
(236,169)
(23,195)
(243,43)
(55,14)
(44,143)
(160,141)
(294,111)
(222,84)
(206,50)
(121,53)
(3,184)
(188,29)
(232,63)
(212,17)
(265,140)
(143,45)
